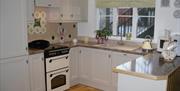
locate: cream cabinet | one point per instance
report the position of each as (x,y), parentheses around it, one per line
(14,74)
(13,28)
(85,60)
(94,67)
(37,72)
(117,59)
(49,3)
(101,69)
(30,11)
(74,64)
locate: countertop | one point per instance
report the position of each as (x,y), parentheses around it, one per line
(151,66)
(90,45)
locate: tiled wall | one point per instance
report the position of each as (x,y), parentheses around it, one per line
(56,33)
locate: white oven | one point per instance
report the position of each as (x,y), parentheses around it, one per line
(58,80)
(57,69)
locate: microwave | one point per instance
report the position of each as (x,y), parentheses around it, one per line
(160,43)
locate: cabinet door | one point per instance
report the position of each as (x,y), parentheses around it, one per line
(85,59)
(74,73)
(37,72)
(49,3)
(30,11)
(14,74)
(117,59)
(101,68)
(13,28)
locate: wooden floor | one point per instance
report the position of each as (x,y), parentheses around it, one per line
(81,87)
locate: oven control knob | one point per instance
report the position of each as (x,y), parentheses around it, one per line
(67,70)
(67,57)
(50,61)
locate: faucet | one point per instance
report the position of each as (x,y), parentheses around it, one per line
(121,39)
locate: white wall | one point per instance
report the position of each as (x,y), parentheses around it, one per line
(164,20)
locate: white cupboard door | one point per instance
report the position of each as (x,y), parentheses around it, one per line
(13,28)
(85,59)
(37,72)
(30,11)
(49,3)
(101,68)
(117,59)
(14,74)
(74,73)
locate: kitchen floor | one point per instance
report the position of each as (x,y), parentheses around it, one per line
(81,87)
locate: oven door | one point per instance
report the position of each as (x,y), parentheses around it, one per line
(58,80)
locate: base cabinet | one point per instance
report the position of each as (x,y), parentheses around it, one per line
(74,64)
(37,72)
(14,74)
(117,59)
(93,67)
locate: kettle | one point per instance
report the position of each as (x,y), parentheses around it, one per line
(147,43)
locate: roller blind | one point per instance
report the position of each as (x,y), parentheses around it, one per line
(124,3)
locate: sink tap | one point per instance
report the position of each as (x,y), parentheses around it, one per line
(121,39)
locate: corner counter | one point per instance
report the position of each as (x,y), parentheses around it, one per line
(149,73)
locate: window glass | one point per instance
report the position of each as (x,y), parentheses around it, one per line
(145,24)
(124,21)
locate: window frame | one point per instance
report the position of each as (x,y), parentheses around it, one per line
(134,16)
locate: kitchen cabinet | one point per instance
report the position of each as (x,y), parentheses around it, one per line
(14,74)
(30,11)
(13,28)
(65,10)
(101,69)
(85,60)
(74,64)
(37,72)
(74,10)
(117,59)
(49,3)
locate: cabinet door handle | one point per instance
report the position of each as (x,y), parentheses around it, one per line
(42,59)
(49,5)
(27,61)
(125,54)
(109,56)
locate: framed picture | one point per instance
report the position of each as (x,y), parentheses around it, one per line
(165,3)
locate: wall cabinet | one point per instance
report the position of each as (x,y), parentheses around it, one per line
(74,65)
(14,74)
(117,59)
(13,28)
(30,11)
(49,3)
(37,72)
(65,10)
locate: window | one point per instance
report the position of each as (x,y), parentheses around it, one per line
(138,22)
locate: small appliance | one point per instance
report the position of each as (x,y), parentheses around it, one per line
(161,41)
(176,38)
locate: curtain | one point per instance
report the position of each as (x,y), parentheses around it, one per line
(124,3)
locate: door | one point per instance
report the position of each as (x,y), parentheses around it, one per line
(37,72)
(14,74)
(13,28)
(101,68)
(85,59)
(74,64)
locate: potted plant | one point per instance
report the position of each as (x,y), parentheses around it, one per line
(102,35)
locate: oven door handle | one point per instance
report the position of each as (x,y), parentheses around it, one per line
(50,61)
(59,72)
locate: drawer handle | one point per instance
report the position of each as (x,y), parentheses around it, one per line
(125,54)
(49,5)
(50,61)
